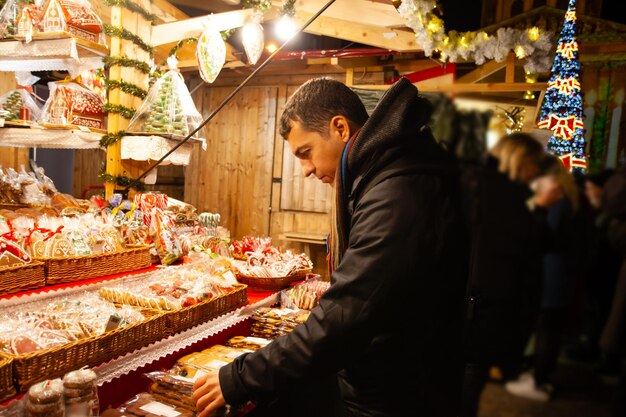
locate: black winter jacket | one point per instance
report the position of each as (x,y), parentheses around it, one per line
(402,277)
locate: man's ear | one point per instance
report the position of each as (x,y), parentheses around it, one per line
(340,128)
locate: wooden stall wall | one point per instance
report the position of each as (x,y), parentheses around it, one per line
(605,127)
(11,157)
(87,166)
(233,176)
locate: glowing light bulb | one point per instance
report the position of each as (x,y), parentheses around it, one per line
(533,33)
(519,52)
(285,27)
(271,47)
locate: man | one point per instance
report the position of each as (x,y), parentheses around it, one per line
(398,264)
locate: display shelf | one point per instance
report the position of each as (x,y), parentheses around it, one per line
(37,137)
(63,53)
(152,148)
(125,364)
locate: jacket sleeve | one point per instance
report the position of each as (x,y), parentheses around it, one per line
(352,311)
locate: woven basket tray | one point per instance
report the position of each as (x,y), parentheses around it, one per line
(7,389)
(186,318)
(23,277)
(62,270)
(271,283)
(33,367)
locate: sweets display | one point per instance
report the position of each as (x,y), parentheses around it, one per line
(57,322)
(80,393)
(145,404)
(45,399)
(304,295)
(177,287)
(264,260)
(72,105)
(33,188)
(269,323)
(168,108)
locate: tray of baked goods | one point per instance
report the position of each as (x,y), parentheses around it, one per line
(188,294)
(7,390)
(46,336)
(265,267)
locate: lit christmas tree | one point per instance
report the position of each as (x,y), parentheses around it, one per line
(562,108)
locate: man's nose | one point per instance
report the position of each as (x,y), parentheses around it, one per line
(307,167)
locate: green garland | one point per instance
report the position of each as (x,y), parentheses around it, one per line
(129,36)
(288,8)
(111,138)
(133,7)
(126,87)
(124,61)
(261,5)
(123,111)
(121,180)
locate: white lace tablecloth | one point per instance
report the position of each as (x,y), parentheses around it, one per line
(47,55)
(49,138)
(152,148)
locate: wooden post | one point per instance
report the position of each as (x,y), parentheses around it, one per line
(113,158)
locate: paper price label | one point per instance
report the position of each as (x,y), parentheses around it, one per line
(257,340)
(1,122)
(160,409)
(84,129)
(230,278)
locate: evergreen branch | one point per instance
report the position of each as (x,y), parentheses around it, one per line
(110,30)
(122,180)
(123,111)
(124,61)
(111,138)
(126,87)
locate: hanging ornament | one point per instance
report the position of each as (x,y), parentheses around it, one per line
(562,127)
(252,37)
(211,54)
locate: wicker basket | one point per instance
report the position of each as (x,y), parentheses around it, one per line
(22,277)
(271,283)
(188,317)
(7,389)
(36,366)
(62,270)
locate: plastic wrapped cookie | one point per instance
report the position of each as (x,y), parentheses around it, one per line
(45,399)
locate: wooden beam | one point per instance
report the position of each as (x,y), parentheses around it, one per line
(193,28)
(187,53)
(481,72)
(509,75)
(469,88)
(351,63)
(167,12)
(381,37)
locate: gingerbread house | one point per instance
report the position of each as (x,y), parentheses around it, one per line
(27,20)
(74,17)
(71,104)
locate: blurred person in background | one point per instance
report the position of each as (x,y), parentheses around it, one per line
(613,337)
(600,275)
(509,237)
(561,268)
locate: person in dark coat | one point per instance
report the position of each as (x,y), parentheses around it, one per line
(599,276)
(613,337)
(509,236)
(560,275)
(390,325)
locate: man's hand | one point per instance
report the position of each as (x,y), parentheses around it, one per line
(207,394)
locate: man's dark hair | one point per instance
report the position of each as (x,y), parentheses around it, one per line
(317,101)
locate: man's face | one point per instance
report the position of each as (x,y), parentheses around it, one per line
(318,154)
